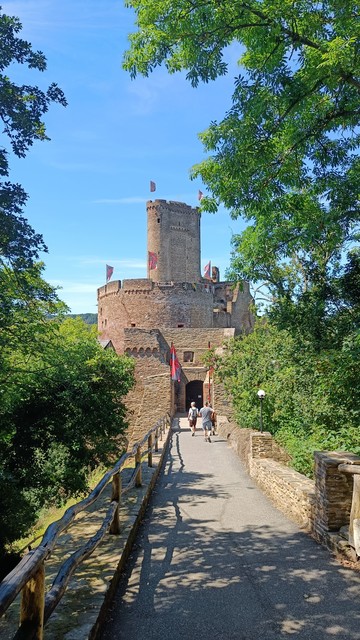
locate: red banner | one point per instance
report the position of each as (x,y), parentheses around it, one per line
(152,260)
(175,368)
(207,271)
(109,272)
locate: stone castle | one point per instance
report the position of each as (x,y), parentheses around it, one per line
(173,305)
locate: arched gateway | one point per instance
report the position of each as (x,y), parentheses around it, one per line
(194,393)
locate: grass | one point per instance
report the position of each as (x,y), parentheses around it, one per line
(51,515)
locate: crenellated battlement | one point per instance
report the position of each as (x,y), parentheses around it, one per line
(171,206)
(110,288)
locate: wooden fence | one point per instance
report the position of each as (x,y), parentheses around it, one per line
(29,575)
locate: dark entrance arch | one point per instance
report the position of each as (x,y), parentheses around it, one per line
(194,393)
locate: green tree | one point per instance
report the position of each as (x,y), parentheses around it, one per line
(22,109)
(285,155)
(22,290)
(311,398)
(64,416)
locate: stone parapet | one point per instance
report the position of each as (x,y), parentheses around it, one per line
(333,491)
(260,445)
(322,506)
(291,492)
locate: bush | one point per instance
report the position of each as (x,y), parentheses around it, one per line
(311,398)
(64,417)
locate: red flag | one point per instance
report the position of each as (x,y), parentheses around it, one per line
(207,271)
(152,260)
(109,272)
(152,186)
(175,368)
(200,195)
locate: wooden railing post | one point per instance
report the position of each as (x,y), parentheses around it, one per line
(161,430)
(116,495)
(157,439)
(150,446)
(32,604)
(138,481)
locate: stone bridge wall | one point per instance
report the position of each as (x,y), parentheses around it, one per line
(265,461)
(321,506)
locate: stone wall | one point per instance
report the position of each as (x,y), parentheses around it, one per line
(291,492)
(333,491)
(148,305)
(322,506)
(233,307)
(174,235)
(151,354)
(221,401)
(196,340)
(241,316)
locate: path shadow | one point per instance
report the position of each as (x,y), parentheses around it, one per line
(186,580)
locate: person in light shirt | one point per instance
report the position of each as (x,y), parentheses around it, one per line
(192,417)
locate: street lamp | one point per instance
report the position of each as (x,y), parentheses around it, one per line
(261,396)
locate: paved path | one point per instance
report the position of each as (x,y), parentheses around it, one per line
(215,561)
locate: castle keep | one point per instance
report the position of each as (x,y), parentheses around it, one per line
(174,304)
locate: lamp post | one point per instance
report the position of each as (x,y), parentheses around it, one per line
(261,396)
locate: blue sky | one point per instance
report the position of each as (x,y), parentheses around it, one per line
(89,185)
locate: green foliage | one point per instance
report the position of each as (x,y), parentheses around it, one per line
(88,318)
(61,408)
(285,155)
(311,398)
(22,108)
(62,415)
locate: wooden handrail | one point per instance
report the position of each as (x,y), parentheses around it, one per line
(31,566)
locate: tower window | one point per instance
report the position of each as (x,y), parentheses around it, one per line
(188,356)
(180,326)
(158,219)
(133,324)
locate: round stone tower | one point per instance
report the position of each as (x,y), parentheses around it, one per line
(173,235)
(174,295)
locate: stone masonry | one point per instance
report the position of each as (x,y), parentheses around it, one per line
(173,305)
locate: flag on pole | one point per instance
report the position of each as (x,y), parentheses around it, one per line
(109,272)
(200,195)
(152,260)
(207,271)
(175,368)
(152,186)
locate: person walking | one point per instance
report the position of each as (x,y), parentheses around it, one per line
(206,413)
(192,417)
(213,423)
